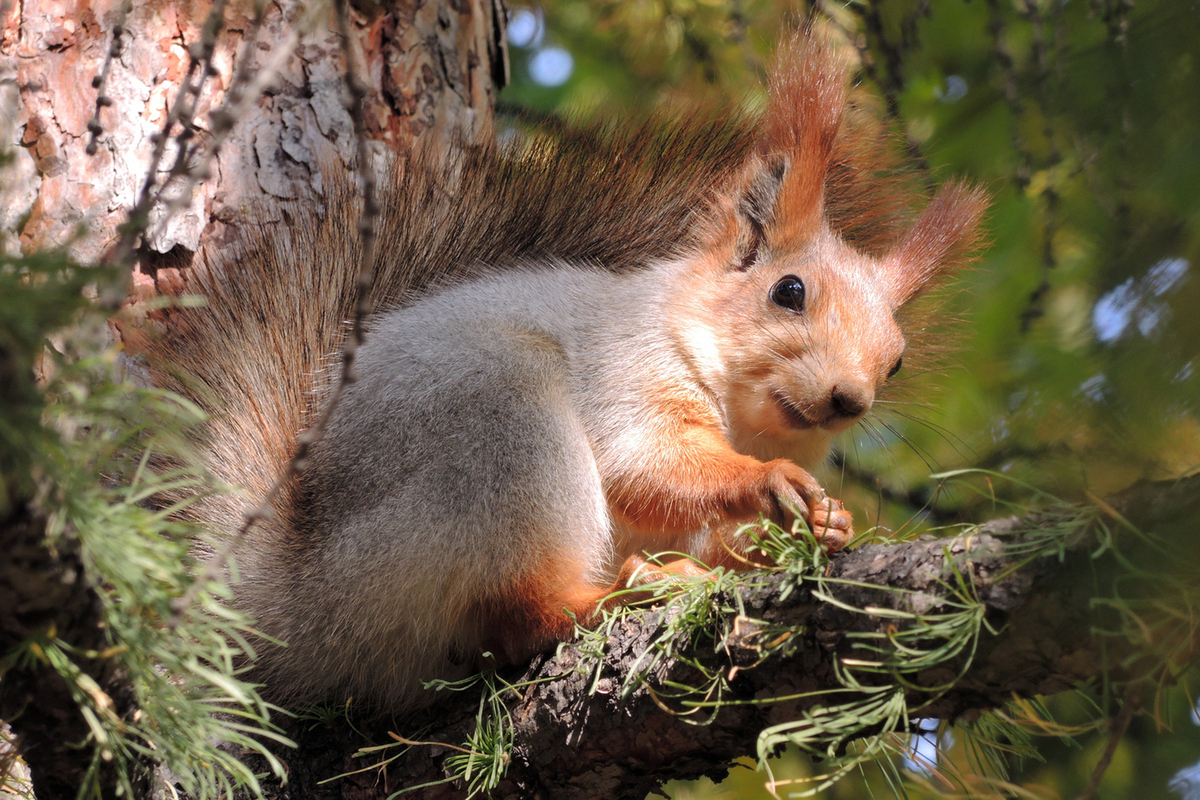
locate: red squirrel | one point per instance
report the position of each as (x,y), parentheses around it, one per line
(594,344)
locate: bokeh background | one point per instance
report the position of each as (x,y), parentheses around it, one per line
(1074,358)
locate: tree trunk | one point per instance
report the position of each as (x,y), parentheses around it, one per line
(432,71)
(114,79)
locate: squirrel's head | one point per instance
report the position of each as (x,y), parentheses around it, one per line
(795,330)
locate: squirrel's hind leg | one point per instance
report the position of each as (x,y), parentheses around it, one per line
(551,518)
(545,609)
(565,529)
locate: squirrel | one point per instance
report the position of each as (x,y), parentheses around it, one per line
(594,344)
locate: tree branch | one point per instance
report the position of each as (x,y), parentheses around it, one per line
(574,736)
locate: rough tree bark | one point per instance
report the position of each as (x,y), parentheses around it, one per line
(431,71)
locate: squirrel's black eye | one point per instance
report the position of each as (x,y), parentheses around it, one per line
(895,369)
(788,292)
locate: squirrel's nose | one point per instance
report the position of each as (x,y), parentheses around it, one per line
(848,402)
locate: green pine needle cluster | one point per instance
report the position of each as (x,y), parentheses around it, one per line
(76,442)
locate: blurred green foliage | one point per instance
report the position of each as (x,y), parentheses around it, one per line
(1078,353)
(1075,340)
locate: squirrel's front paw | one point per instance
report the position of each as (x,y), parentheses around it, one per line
(830,522)
(794,488)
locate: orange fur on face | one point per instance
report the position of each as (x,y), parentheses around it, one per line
(790,380)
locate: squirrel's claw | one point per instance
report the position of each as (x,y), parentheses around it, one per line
(796,491)
(830,523)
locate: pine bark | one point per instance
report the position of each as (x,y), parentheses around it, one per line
(431,70)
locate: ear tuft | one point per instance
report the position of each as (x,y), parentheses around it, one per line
(941,240)
(808,94)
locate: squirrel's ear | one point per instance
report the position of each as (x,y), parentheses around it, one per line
(808,93)
(939,241)
(778,195)
(754,207)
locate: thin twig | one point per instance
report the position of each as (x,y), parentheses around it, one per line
(1116,732)
(891,80)
(248,84)
(181,112)
(1032,14)
(363,306)
(100,82)
(245,88)
(366,173)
